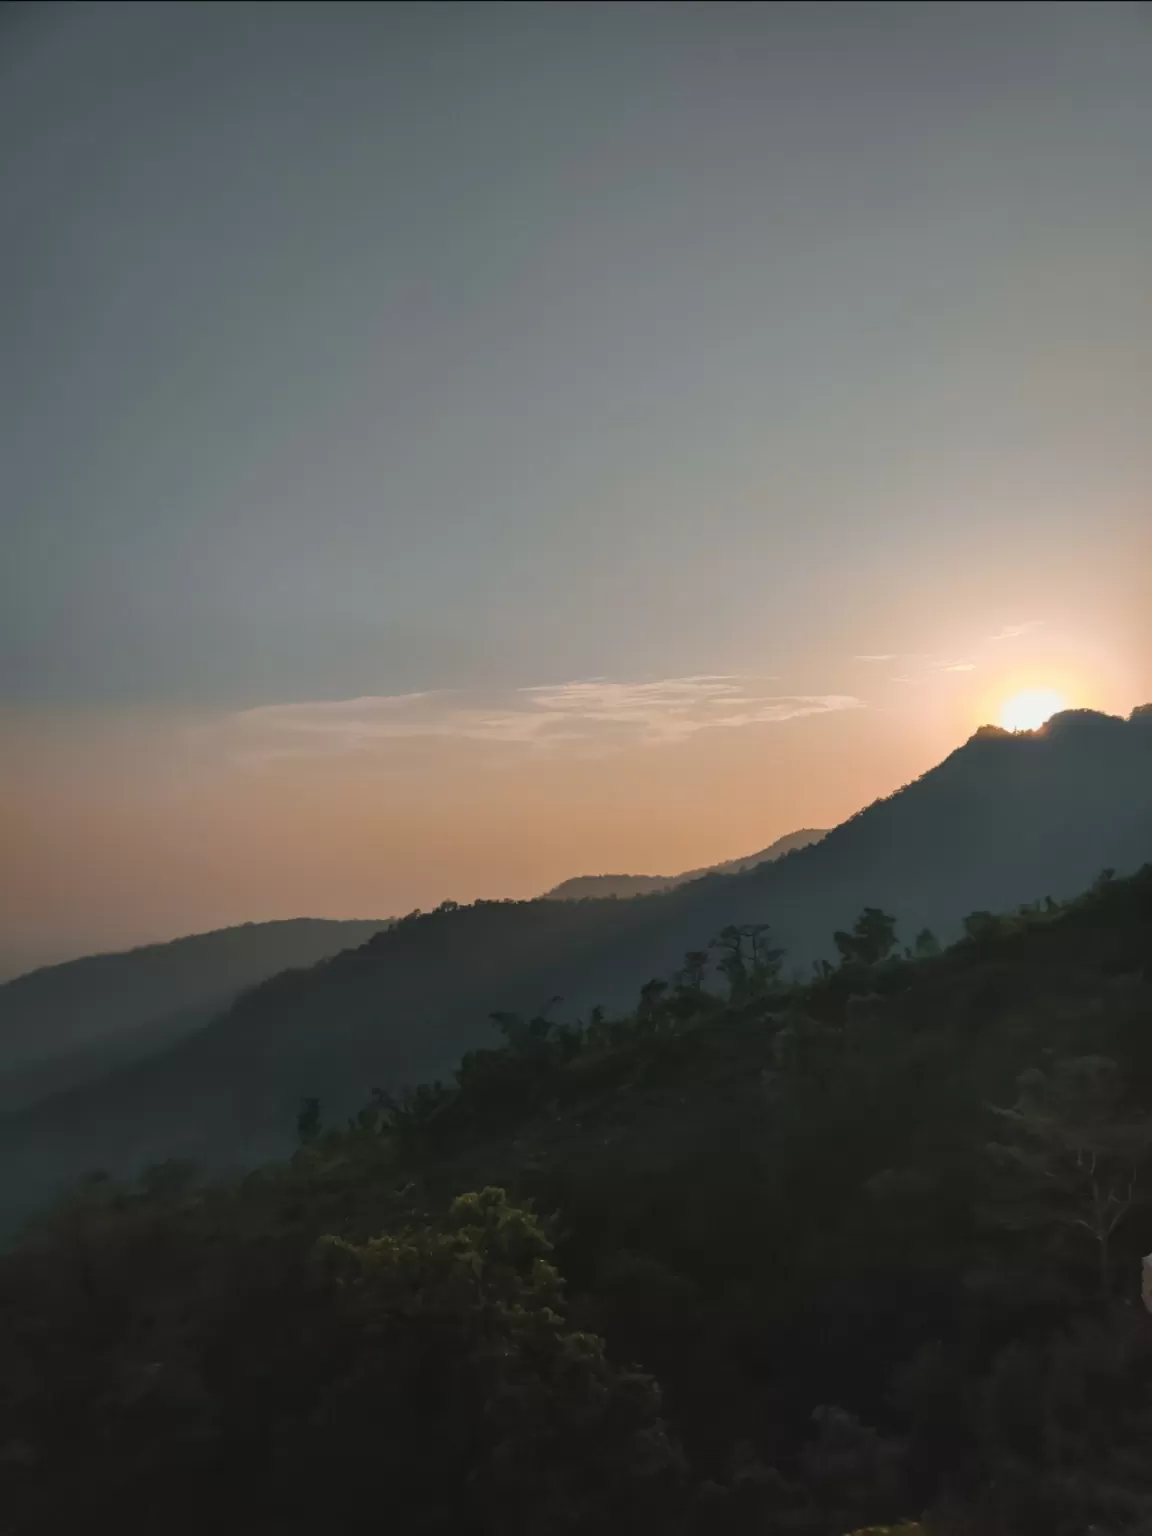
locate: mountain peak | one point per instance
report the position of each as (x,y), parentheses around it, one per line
(1081,720)
(1062,723)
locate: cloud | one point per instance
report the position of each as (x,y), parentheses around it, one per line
(1014,631)
(919,666)
(923,665)
(591,713)
(902,656)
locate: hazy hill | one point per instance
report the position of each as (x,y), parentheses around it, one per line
(1004,819)
(582,886)
(63,1023)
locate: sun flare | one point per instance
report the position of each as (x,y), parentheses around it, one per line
(1027,711)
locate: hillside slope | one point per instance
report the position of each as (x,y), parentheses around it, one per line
(582,886)
(783,1205)
(1003,820)
(63,1023)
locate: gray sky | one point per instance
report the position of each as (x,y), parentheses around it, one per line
(352,350)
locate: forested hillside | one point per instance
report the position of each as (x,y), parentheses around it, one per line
(1005,819)
(64,1023)
(794,1259)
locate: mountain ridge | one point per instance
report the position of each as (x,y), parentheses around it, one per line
(1006,818)
(69,1020)
(579,887)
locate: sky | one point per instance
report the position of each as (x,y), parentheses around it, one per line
(449,448)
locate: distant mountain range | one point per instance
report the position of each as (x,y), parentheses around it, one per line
(1006,819)
(64,1023)
(582,886)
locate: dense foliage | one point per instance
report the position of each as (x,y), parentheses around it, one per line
(862,1252)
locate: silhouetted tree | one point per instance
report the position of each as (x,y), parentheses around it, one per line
(651,998)
(690,977)
(732,964)
(872,939)
(766,958)
(596,1032)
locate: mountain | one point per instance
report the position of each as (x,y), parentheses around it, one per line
(1008,818)
(64,1023)
(766,1263)
(582,886)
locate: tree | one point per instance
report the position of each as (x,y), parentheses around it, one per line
(873,938)
(980,926)
(478,1393)
(766,958)
(1076,1153)
(925,945)
(750,971)
(524,1035)
(689,979)
(596,1031)
(651,999)
(732,963)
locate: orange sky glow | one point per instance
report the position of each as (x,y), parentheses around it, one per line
(142,827)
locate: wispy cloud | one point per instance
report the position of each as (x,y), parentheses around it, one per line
(1014,631)
(922,665)
(594,713)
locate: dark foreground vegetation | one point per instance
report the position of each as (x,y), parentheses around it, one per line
(801,1259)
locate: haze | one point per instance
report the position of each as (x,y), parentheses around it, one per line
(446,449)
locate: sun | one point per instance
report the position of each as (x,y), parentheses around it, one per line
(1027,711)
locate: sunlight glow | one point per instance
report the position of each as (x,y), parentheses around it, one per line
(1029,710)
